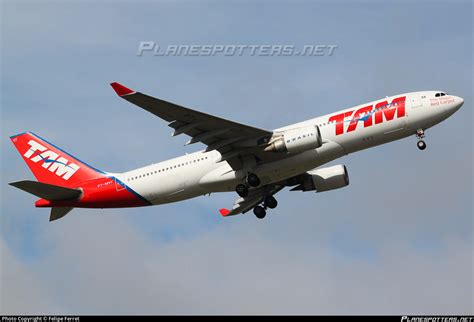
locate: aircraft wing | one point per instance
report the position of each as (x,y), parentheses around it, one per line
(255,197)
(230,138)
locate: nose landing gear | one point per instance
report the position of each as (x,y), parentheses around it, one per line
(421,145)
(420,134)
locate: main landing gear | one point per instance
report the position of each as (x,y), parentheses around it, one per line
(261,211)
(242,189)
(252,180)
(420,134)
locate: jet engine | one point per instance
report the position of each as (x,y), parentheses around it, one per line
(324,179)
(297,140)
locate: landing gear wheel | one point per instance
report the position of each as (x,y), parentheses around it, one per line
(242,190)
(421,145)
(259,212)
(270,202)
(253,180)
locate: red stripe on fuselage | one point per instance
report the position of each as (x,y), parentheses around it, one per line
(100,193)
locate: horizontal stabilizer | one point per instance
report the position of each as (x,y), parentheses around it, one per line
(47,191)
(59,212)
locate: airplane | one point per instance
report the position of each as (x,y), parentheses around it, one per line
(254,162)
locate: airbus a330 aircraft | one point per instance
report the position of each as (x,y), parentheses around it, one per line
(253,162)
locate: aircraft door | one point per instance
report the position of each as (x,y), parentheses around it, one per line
(415,100)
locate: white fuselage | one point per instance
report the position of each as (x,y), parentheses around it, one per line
(201,172)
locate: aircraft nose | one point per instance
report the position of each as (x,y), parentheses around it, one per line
(458,102)
(454,106)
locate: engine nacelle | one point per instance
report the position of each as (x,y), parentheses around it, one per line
(325,179)
(297,140)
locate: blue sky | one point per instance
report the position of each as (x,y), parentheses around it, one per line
(402,228)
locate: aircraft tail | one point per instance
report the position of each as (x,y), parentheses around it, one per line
(47,191)
(65,182)
(50,164)
(50,192)
(59,212)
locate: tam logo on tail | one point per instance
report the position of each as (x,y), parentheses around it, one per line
(51,160)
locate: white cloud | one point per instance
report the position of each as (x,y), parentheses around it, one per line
(110,267)
(22,289)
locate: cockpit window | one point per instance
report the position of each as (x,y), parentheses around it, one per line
(440,94)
